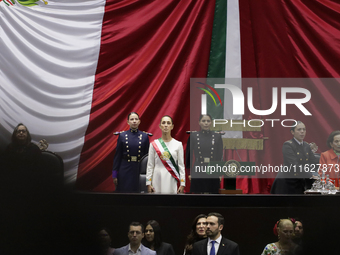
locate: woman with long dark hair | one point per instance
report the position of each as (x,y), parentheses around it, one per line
(21,153)
(153,239)
(197,233)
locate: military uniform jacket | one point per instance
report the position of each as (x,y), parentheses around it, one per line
(298,160)
(296,156)
(131,147)
(202,147)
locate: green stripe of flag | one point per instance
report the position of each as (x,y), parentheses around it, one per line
(216,67)
(6,3)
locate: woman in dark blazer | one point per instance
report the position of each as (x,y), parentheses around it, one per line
(153,239)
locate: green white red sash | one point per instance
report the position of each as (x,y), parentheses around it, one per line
(166,158)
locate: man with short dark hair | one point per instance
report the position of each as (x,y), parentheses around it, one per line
(298,229)
(298,232)
(215,243)
(135,235)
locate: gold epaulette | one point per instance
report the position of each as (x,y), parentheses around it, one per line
(149,134)
(118,132)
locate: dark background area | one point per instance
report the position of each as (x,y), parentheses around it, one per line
(249,218)
(64,223)
(38,218)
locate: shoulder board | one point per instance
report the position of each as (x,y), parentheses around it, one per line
(118,132)
(189,132)
(220,132)
(289,141)
(149,134)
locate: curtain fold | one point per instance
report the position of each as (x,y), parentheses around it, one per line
(291,39)
(48,60)
(72,71)
(149,51)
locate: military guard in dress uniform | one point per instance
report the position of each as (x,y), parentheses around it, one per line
(204,146)
(296,155)
(132,145)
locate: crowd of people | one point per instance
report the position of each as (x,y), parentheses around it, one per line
(204,238)
(166,171)
(166,155)
(205,234)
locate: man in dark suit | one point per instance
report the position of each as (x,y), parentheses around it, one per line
(135,234)
(215,244)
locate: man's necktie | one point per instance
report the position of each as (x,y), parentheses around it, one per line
(212,251)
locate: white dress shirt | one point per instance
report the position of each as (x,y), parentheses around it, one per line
(138,252)
(217,244)
(300,143)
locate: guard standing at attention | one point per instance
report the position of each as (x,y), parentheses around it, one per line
(202,147)
(132,145)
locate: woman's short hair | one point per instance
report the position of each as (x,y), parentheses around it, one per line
(297,123)
(330,138)
(202,115)
(280,223)
(131,114)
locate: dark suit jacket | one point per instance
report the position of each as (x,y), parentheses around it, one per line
(165,249)
(227,247)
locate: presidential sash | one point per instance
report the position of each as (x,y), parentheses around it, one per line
(166,158)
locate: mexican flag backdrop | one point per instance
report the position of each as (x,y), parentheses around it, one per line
(71,71)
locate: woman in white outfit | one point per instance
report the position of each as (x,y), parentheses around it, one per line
(165,171)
